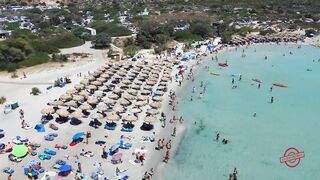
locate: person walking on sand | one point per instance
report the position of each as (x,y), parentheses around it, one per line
(162,143)
(104,153)
(79,170)
(159,144)
(88,135)
(174,132)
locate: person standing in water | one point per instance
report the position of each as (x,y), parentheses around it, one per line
(240,77)
(259,85)
(271,101)
(271,88)
(232,81)
(265,57)
(217,136)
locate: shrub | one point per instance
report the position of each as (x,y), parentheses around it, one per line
(3,100)
(35,91)
(131,50)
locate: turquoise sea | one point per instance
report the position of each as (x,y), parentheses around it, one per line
(256,143)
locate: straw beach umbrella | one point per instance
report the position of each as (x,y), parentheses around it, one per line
(143,98)
(102,107)
(112,117)
(57,103)
(113,96)
(79,86)
(140,103)
(96,83)
(92,100)
(130,118)
(85,106)
(155,105)
(149,119)
(76,114)
(92,87)
(66,97)
(71,103)
(157,98)
(152,111)
(128,96)
(108,101)
(84,93)
(47,110)
(78,98)
(118,108)
(96,116)
(84,82)
(135,110)
(62,112)
(124,102)
(71,91)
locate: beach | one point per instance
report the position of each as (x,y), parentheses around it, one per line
(19,90)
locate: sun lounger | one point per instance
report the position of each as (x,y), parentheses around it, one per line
(124,129)
(48,138)
(8,170)
(44,157)
(125,146)
(53,126)
(50,152)
(53,134)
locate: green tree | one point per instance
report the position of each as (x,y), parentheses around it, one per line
(101,40)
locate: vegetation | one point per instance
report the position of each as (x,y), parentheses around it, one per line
(35,91)
(25,48)
(112,29)
(131,50)
(101,41)
(2,100)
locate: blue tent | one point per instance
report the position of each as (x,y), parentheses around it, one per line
(65,168)
(39,128)
(78,135)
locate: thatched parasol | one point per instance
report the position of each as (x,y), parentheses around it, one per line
(157,98)
(102,107)
(71,91)
(47,110)
(57,103)
(108,101)
(85,106)
(143,98)
(150,119)
(76,114)
(84,93)
(66,96)
(152,111)
(78,98)
(96,83)
(92,100)
(113,96)
(111,116)
(135,110)
(84,82)
(140,103)
(96,116)
(92,87)
(78,86)
(118,108)
(155,105)
(130,118)
(71,103)
(62,112)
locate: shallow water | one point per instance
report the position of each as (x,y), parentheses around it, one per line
(256,143)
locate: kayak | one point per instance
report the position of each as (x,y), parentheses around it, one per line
(216,74)
(280,85)
(235,75)
(223,64)
(257,80)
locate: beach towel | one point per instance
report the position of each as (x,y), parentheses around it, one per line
(39,128)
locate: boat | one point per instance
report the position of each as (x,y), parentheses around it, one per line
(280,85)
(223,64)
(257,80)
(216,74)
